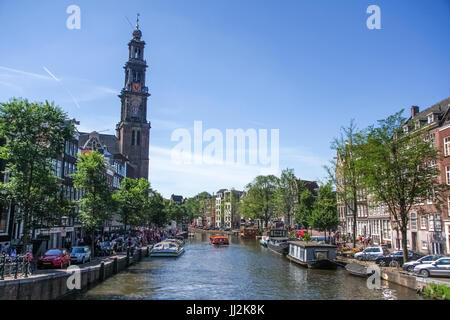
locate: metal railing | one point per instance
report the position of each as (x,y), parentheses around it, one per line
(19,266)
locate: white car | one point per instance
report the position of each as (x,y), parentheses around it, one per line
(371,253)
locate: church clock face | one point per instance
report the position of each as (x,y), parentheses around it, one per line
(135,103)
(136,87)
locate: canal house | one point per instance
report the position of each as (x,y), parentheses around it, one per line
(312,254)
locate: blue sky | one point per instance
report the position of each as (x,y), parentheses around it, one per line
(303,67)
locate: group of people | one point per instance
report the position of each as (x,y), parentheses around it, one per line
(112,242)
(8,250)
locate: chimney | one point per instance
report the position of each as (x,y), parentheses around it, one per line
(414,111)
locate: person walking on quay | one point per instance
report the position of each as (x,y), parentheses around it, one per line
(5,248)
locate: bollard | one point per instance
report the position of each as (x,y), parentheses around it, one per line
(147,252)
(140,254)
(128,256)
(115,266)
(16,267)
(102,272)
(26,264)
(2,267)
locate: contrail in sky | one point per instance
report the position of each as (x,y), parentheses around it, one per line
(59,81)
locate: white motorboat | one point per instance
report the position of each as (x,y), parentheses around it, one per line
(167,249)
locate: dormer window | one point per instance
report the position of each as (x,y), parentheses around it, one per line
(405,128)
(431,118)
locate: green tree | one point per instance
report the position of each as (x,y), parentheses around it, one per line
(157,213)
(96,205)
(192,206)
(398,169)
(287,195)
(345,172)
(132,201)
(176,212)
(304,208)
(33,135)
(259,199)
(324,215)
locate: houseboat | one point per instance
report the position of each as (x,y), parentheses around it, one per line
(312,254)
(278,241)
(167,248)
(219,240)
(249,232)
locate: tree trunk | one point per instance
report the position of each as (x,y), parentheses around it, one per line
(355,215)
(405,243)
(93,243)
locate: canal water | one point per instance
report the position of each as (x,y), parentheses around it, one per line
(242,270)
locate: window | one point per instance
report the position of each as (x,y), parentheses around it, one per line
(448,205)
(447,174)
(424,245)
(447,146)
(430,118)
(59,169)
(133,138)
(438,225)
(138,139)
(431,222)
(423,222)
(413,221)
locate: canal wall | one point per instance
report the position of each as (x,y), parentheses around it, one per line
(54,285)
(408,280)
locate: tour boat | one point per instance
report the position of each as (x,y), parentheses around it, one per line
(312,254)
(176,240)
(167,248)
(219,240)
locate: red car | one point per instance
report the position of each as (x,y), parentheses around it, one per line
(54,258)
(300,233)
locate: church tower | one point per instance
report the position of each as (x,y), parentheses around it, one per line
(133,130)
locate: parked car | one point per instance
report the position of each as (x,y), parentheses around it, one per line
(371,253)
(320,238)
(300,233)
(440,267)
(80,254)
(56,258)
(395,259)
(410,265)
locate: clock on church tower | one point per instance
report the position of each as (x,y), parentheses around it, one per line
(133,130)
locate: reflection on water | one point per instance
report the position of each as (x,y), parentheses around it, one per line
(242,270)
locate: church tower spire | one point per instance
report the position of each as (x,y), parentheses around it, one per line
(133,130)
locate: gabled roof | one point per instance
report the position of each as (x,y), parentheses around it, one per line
(108,141)
(440,109)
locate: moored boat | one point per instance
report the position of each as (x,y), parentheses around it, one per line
(219,240)
(312,254)
(167,248)
(249,232)
(278,241)
(357,269)
(263,241)
(278,245)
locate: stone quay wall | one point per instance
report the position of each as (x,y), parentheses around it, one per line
(54,285)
